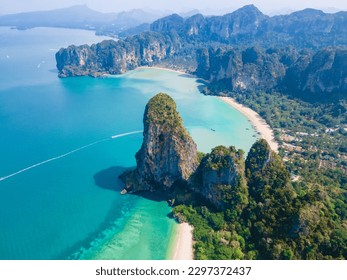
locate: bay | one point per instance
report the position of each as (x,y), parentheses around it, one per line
(69,206)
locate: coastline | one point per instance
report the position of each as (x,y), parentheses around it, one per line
(256,120)
(165,69)
(182,245)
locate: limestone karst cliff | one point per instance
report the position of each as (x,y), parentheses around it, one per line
(168,153)
(168,161)
(301,73)
(220,179)
(115,57)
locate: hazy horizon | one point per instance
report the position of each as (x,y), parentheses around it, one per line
(207,7)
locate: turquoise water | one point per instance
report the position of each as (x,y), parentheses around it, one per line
(68,206)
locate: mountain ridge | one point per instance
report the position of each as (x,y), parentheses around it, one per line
(258,27)
(80,17)
(266,51)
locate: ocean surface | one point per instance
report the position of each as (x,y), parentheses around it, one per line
(59,166)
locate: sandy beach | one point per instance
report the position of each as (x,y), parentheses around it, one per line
(257,121)
(166,69)
(183,249)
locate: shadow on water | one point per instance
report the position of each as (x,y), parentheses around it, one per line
(108,178)
(158,196)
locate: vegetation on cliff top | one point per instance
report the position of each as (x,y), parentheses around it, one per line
(220,157)
(220,179)
(161,109)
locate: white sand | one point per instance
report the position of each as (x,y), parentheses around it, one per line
(184,244)
(257,121)
(165,69)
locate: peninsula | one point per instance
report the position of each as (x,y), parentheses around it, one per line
(239,208)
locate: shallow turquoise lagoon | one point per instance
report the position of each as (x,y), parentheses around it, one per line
(68,206)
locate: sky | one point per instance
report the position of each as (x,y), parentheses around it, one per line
(266,6)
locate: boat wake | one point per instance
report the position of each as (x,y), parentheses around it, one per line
(126,134)
(69,153)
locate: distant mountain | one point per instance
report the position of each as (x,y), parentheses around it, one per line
(190,13)
(81,17)
(73,17)
(130,23)
(134,30)
(283,11)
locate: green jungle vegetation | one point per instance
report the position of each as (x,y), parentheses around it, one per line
(297,204)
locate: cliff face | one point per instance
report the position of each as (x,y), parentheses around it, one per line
(241,70)
(286,70)
(171,22)
(168,153)
(168,161)
(115,57)
(220,179)
(324,72)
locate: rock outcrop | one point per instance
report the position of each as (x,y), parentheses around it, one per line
(220,179)
(324,72)
(168,161)
(115,57)
(304,73)
(168,153)
(251,69)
